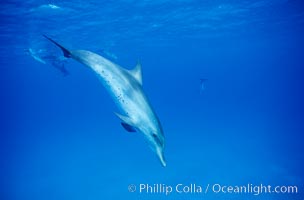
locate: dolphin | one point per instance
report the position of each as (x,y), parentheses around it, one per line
(125,87)
(34,55)
(57,62)
(202,84)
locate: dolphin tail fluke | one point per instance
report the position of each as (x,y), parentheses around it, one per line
(65,51)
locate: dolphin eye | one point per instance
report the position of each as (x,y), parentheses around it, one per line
(157,139)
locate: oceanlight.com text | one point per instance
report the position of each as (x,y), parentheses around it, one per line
(216,188)
(254,189)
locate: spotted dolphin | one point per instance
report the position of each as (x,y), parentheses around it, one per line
(125,87)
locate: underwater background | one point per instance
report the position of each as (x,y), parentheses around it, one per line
(243,125)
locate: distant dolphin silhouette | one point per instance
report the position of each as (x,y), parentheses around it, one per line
(56,61)
(125,86)
(202,84)
(34,55)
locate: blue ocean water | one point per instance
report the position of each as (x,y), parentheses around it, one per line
(60,138)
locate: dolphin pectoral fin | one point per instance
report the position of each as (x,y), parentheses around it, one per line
(125,119)
(126,123)
(128,127)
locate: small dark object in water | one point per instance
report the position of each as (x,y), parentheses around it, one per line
(202,84)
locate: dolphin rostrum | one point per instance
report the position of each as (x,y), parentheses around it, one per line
(125,86)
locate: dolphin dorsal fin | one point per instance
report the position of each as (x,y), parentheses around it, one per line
(136,73)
